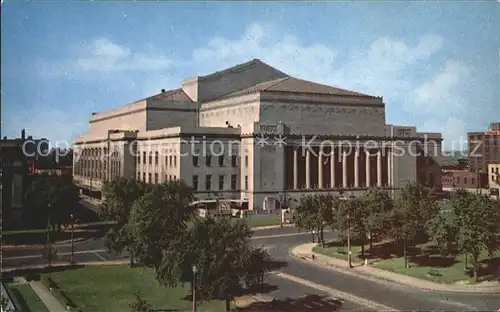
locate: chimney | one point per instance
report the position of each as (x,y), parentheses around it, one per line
(162,90)
(23,134)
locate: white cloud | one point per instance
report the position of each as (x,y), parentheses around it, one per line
(442,91)
(388,67)
(105,57)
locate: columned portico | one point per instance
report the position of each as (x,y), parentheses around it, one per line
(339,168)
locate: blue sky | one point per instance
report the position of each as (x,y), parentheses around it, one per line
(435,63)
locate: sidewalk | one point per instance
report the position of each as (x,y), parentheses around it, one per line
(47,298)
(65,264)
(270,227)
(305,252)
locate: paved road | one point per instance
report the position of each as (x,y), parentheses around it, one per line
(300,278)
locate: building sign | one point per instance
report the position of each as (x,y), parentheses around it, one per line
(492,133)
(404,132)
(268,128)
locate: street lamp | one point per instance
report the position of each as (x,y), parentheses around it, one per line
(72,238)
(349,240)
(194,287)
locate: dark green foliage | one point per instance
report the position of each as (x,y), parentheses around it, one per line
(50,196)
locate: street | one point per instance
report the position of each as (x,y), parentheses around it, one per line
(297,279)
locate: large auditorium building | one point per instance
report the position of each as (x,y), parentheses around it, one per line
(253,132)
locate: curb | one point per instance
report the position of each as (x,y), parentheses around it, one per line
(64,243)
(480,290)
(270,227)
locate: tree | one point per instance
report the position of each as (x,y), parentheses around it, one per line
(49,253)
(220,251)
(478,223)
(378,205)
(159,218)
(413,209)
(119,196)
(140,304)
(315,212)
(52,198)
(444,230)
(351,216)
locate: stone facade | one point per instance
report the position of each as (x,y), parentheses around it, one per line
(251,132)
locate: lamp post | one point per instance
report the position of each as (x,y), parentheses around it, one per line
(72,238)
(281,209)
(349,240)
(194,287)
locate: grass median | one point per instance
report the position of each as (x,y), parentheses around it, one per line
(112,288)
(26,299)
(425,261)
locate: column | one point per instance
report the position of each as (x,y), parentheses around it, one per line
(295,169)
(379,168)
(344,169)
(320,169)
(367,168)
(332,168)
(356,168)
(389,167)
(308,169)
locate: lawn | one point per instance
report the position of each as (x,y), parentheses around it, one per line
(112,288)
(386,256)
(263,220)
(26,298)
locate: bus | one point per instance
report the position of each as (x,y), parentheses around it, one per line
(222,207)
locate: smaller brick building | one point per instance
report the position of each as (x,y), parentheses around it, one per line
(461,179)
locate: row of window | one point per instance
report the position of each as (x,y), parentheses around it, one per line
(97,168)
(456,180)
(149,179)
(171,161)
(494,170)
(208,182)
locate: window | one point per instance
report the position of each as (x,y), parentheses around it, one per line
(170,177)
(458,180)
(156,158)
(144,177)
(150,178)
(150,158)
(465,180)
(143,157)
(221,182)
(208,161)
(233,161)
(166,178)
(175,161)
(195,182)
(492,170)
(166,161)
(138,176)
(221,161)
(246,183)
(170,161)
(246,161)
(195,161)
(139,158)
(156,178)
(473,181)
(233,181)
(208,182)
